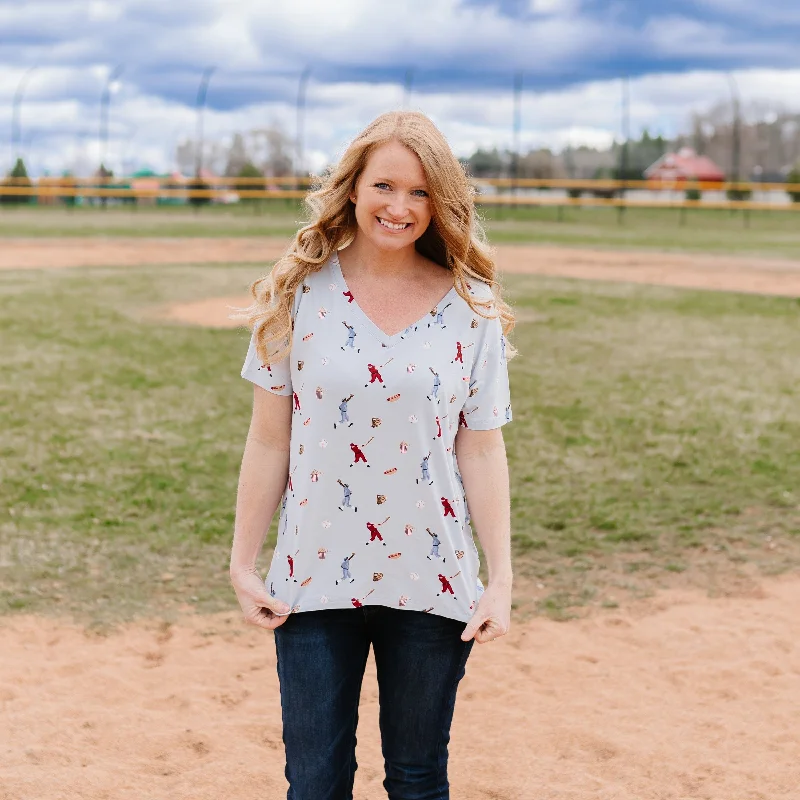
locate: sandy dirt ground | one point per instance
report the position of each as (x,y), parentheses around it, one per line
(97,251)
(679,696)
(731,273)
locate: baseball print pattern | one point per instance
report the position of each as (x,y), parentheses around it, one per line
(374,511)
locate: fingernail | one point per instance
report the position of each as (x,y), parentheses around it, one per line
(284,609)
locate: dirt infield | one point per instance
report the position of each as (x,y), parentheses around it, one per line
(725,273)
(97,251)
(682,697)
(695,271)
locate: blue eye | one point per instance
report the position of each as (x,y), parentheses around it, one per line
(383,186)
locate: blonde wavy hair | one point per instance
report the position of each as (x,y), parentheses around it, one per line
(454,238)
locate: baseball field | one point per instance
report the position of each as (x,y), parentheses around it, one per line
(655,468)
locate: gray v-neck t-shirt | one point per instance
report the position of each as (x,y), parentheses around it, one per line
(374,511)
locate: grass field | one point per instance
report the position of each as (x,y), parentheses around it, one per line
(769,233)
(656,437)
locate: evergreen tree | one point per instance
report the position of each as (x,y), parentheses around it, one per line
(19,176)
(794,177)
(486,163)
(249,170)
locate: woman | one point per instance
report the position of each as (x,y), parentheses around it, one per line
(379,363)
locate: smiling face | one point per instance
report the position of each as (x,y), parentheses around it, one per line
(391,198)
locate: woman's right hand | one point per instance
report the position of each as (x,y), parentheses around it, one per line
(258,606)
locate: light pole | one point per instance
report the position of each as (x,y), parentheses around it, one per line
(201,102)
(516,130)
(202,90)
(16,124)
(409,85)
(301,108)
(111,87)
(626,135)
(736,132)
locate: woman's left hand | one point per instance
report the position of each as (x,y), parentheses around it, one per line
(492,617)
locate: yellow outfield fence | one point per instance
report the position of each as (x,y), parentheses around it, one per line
(489,191)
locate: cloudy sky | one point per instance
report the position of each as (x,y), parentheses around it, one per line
(461,56)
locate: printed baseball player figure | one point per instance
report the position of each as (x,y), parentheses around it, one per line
(290,559)
(462,417)
(438,313)
(439,421)
(345,565)
(408,330)
(375,533)
(358,603)
(351,338)
(359,453)
(446,586)
(346,501)
(502,349)
(436,384)
(291,488)
(284,514)
(375,375)
(349,295)
(508,412)
(343,410)
(271,589)
(424,466)
(435,547)
(460,352)
(296,401)
(448,509)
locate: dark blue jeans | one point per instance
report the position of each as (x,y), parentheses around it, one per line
(419,660)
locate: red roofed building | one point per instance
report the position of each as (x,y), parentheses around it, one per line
(685,165)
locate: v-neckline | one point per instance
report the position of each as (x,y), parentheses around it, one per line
(380,335)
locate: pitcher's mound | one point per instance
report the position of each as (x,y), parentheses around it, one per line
(213,312)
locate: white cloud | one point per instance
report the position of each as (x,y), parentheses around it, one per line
(553,6)
(103,11)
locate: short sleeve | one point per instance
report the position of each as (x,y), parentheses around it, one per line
(488,404)
(275,378)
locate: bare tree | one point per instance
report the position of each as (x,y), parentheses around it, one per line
(770,138)
(269,149)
